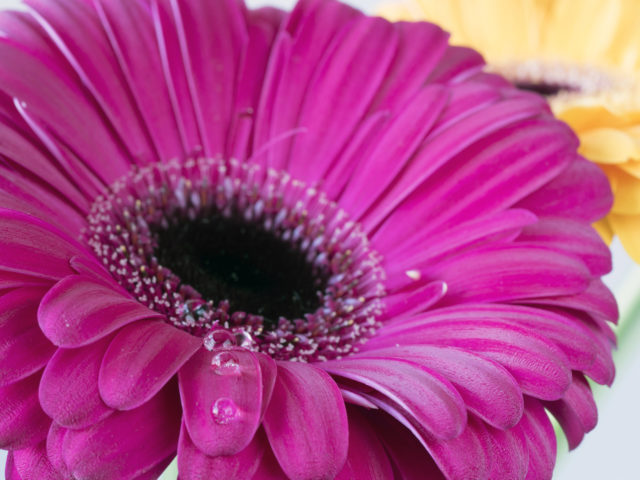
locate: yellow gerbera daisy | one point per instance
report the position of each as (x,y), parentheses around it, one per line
(584,55)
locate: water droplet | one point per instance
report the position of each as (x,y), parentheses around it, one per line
(224,411)
(414,275)
(225,363)
(218,338)
(243,339)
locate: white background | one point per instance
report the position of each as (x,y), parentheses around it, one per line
(611,450)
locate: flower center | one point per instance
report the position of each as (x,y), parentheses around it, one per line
(240,255)
(557,79)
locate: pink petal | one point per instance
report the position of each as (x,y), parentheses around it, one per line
(367,459)
(78,311)
(23,348)
(32,463)
(10,468)
(269,468)
(263,25)
(11,280)
(576,411)
(306,423)
(222,398)
(420,47)
(458,63)
(573,237)
(508,273)
(127,444)
(287,82)
(69,386)
(55,442)
(140,360)
(582,192)
(506,451)
(409,457)
(22,422)
(575,340)
(405,303)
(448,184)
(56,104)
(596,300)
(84,41)
(541,441)
(420,252)
(31,193)
(127,24)
(540,368)
(423,396)
(400,140)
(211,37)
(193,464)
(487,388)
(31,246)
(461,457)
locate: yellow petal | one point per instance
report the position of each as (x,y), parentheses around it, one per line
(626,191)
(604,230)
(627,227)
(608,145)
(632,168)
(583,118)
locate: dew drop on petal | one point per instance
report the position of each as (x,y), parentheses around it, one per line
(224,411)
(225,363)
(243,339)
(414,275)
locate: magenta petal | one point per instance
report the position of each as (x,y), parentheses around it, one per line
(55,441)
(11,280)
(126,24)
(538,433)
(367,459)
(306,423)
(581,192)
(573,237)
(34,247)
(410,459)
(23,349)
(69,386)
(486,387)
(510,273)
(221,395)
(32,463)
(126,444)
(269,468)
(10,471)
(540,368)
(418,392)
(22,422)
(576,411)
(193,464)
(339,88)
(78,311)
(140,360)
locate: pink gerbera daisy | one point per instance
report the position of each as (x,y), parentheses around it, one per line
(306,246)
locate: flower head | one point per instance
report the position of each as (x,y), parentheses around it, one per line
(592,81)
(306,246)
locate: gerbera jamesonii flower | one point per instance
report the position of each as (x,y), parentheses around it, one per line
(591,80)
(297,246)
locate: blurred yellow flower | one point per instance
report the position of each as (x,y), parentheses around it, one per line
(584,55)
